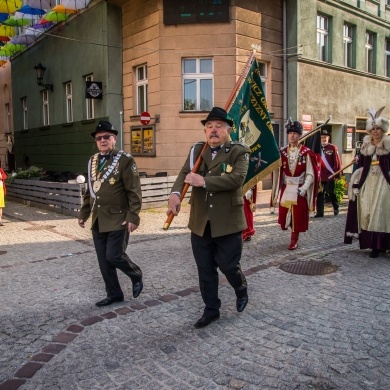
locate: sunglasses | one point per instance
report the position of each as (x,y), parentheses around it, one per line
(100,137)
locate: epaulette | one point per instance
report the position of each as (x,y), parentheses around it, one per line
(239,143)
(198,143)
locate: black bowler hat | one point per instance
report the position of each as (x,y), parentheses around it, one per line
(217,114)
(104,126)
(325,132)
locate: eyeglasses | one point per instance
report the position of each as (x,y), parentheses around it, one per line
(105,136)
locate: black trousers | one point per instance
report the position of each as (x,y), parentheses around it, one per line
(219,252)
(111,253)
(328,187)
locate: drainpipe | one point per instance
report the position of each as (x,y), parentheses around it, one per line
(285,56)
(121,128)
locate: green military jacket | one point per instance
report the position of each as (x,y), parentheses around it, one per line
(221,202)
(119,197)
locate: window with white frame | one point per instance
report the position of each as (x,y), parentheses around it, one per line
(89,104)
(323,38)
(348,45)
(142,88)
(69,102)
(198,84)
(387,59)
(45,108)
(25,112)
(369,52)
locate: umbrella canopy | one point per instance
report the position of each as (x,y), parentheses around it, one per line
(7,31)
(75,4)
(3,16)
(42,4)
(62,9)
(13,47)
(42,25)
(12,21)
(10,6)
(55,17)
(24,39)
(26,9)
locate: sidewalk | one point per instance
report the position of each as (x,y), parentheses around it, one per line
(297,332)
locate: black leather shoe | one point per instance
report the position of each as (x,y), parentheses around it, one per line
(318,216)
(137,288)
(374,253)
(241,303)
(108,301)
(336,212)
(206,320)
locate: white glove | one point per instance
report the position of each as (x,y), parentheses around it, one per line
(355,191)
(248,195)
(301,191)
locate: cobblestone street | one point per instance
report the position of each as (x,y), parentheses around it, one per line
(298,332)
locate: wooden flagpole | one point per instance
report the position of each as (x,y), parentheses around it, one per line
(227,106)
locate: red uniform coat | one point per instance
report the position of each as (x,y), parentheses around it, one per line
(300,211)
(331,154)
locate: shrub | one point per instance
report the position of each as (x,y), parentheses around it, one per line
(33,171)
(340,186)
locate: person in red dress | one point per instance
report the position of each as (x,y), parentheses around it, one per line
(298,180)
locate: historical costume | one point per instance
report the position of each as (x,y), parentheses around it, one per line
(368,216)
(249,211)
(298,181)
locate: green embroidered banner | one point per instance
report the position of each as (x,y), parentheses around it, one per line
(252,126)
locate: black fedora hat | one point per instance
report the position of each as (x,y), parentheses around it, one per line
(219,114)
(325,132)
(104,126)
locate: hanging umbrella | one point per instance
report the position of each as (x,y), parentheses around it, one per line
(24,39)
(60,8)
(75,4)
(6,31)
(26,9)
(42,24)
(13,47)
(12,21)
(5,53)
(42,4)
(55,17)
(10,6)
(3,16)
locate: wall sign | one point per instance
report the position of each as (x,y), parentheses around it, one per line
(93,90)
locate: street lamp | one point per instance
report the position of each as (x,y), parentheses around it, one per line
(40,71)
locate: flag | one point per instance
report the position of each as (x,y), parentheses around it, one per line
(252,126)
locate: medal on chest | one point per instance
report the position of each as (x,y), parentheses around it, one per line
(96,185)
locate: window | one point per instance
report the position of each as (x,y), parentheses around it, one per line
(143,141)
(370,52)
(263,76)
(69,102)
(7,118)
(142,88)
(197,84)
(45,101)
(322,38)
(25,116)
(89,108)
(387,59)
(348,45)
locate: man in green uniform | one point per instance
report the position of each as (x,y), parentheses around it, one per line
(114,199)
(217,212)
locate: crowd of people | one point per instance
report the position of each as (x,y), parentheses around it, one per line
(221,217)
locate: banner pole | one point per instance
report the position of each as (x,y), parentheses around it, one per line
(227,105)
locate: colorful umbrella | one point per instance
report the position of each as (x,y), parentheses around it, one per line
(24,39)
(41,25)
(75,4)
(5,53)
(6,31)
(13,47)
(10,6)
(55,17)
(12,21)
(26,9)
(3,17)
(42,4)
(60,8)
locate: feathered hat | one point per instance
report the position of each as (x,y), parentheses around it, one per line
(293,126)
(375,120)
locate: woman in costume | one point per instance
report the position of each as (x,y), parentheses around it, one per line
(368,216)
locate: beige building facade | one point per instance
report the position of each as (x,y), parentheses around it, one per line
(156,57)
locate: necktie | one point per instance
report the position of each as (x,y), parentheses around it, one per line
(214,151)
